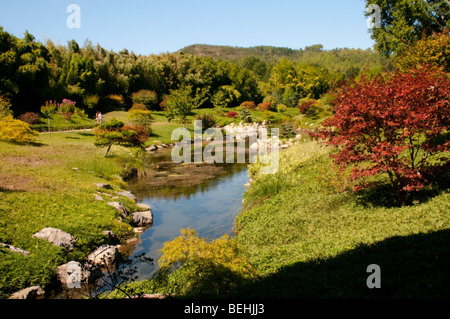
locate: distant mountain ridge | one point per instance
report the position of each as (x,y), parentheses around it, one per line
(343,60)
(230,53)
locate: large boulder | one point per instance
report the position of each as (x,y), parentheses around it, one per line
(152,148)
(104,256)
(57,237)
(142,219)
(127,194)
(28,293)
(120,208)
(73,274)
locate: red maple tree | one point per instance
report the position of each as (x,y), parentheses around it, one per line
(393,124)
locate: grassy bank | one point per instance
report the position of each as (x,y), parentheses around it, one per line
(50,184)
(307,235)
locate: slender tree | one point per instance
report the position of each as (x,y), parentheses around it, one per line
(116,132)
(182,101)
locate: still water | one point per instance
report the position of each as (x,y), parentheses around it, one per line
(204,197)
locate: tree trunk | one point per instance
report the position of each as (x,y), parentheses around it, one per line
(109,147)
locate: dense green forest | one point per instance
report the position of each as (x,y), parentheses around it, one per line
(32,73)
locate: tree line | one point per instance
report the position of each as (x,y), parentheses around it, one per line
(32,73)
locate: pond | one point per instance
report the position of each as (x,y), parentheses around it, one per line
(204,197)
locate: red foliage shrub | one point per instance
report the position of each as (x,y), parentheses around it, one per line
(264,106)
(30,118)
(232,115)
(392,124)
(249,105)
(305,106)
(139,137)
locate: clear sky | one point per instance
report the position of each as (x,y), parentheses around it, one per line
(155,26)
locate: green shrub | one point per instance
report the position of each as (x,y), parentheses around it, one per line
(224,121)
(208,121)
(272,100)
(245,115)
(112,102)
(272,117)
(91,101)
(5,107)
(209,269)
(141,118)
(281,108)
(145,97)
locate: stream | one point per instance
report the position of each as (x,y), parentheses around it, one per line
(201,196)
(204,197)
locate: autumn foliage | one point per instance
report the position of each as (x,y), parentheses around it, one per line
(394,124)
(232,114)
(116,132)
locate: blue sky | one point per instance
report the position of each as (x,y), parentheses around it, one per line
(155,26)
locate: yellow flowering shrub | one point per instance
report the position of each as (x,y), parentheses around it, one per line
(16,131)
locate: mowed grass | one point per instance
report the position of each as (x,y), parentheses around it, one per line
(308,241)
(50,184)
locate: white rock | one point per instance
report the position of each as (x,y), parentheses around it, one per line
(127,194)
(15,249)
(152,148)
(120,208)
(57,237)
(105,255)
(28,293)
(141,219)
(103,185)
(73,274)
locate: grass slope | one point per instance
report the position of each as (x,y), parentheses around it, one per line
(306,241)
(307,237)
(39,188)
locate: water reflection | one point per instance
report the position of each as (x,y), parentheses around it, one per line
(206,197)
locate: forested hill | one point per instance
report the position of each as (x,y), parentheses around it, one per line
(342,60)
(236,53)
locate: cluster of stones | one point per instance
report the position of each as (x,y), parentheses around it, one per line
(74,274)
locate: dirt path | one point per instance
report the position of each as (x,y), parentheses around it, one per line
(81,130)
